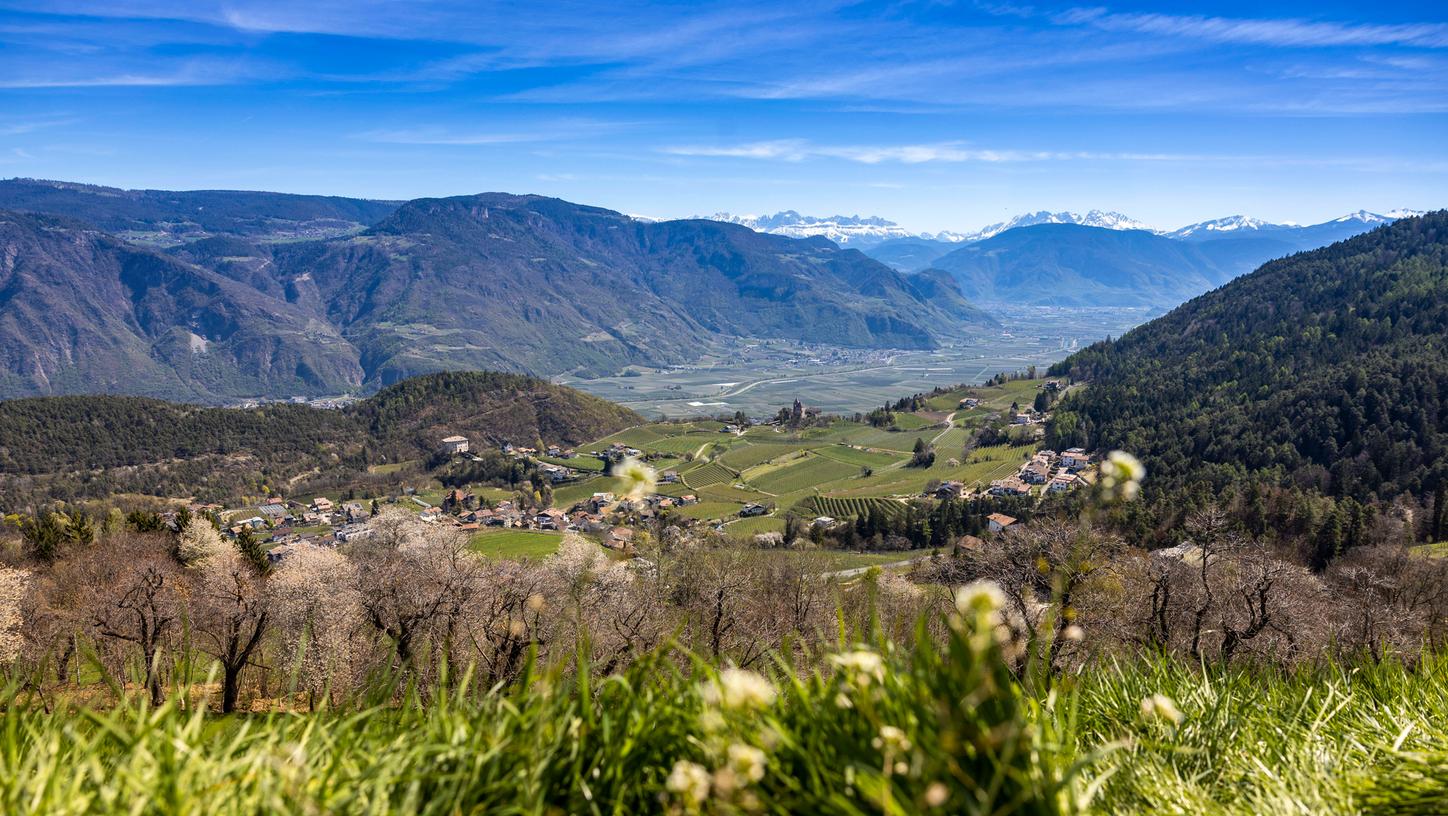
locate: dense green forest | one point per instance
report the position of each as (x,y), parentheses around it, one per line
(1326,371)
(76,447)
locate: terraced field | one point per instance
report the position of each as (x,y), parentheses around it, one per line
(891,440)
(911,422)
(812,472)
(639,437)
(725,492)
(710,510)
(585,463)
(842,508)
(516,544)
(745,456)
(570,494)
(857,457)
(709,474)
(753,526)
(688,443)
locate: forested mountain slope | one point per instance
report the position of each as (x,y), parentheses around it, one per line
(83,445)
(1327,370)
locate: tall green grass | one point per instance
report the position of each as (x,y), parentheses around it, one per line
(941,729)
(1367,738)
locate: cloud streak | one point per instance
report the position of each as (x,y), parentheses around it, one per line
(798,150)
(20,128)
(1282,33)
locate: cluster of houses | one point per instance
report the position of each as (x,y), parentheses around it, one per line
(555,473)
(289,523)
(1059,473)
(592,515)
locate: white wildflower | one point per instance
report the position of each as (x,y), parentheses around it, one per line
(980,596)
(862,666)
(1074,633)
(740,689)
(689,781)
(936,794)
(747,762)
(1160,706)
(892,739)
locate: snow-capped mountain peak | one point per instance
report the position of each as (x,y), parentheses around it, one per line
(864,232)
(1377,218)
(845,230)
(1363,216)
(1232,223)
(1095,218)
(1394,215)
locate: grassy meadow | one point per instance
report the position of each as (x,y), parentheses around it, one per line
(516,544)
(868,729)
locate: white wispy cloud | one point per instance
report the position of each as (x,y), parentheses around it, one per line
(1293,33)
(796,150)
(22,127)
(114,81)
(131,71)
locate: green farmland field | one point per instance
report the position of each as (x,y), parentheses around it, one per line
(842,508)
(509,543)
(814,471)
(709,474)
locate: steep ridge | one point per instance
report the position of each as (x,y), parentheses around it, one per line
(81,311)
(538,284)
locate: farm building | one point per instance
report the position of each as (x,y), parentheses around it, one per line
(999,521)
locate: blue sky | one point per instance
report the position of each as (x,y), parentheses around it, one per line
(937,115)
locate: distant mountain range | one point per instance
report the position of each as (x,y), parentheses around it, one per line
(892,244)
(1073,265)
(1095,218)
(219,296)
(492,281)
(1062,262)
(846,230)
(865,232)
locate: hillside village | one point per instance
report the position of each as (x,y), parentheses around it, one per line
(744,477)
